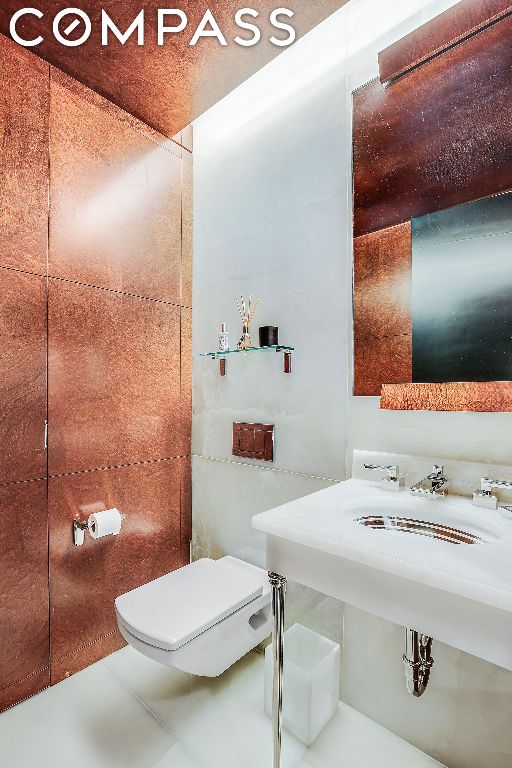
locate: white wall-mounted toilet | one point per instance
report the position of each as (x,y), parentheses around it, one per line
(201,618)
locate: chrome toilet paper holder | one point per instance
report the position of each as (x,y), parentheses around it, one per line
(79,530)
(80,527)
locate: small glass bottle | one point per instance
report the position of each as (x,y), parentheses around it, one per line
(223,338)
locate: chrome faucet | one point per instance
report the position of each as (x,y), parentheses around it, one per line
(392,480)
(485,497)
(434,486)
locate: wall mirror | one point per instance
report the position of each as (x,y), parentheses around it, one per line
(461,293)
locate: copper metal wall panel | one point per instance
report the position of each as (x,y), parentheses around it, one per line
(85,94)
(382,309)
(24,615)
(114,378)
(447,29)
(22,376)
(455,396)
(87,579)
(120,366)
(115,216)
(23,159)
(382,282)
(166,87)
(438,137)
(377,360)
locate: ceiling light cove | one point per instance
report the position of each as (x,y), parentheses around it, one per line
(72,27)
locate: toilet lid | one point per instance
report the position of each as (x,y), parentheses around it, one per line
(175,608)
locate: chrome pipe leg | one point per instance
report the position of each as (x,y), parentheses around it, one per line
(278,584)
(418,662)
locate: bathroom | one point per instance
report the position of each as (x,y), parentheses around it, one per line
(112,293)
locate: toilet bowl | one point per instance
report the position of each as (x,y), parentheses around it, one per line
(201,618)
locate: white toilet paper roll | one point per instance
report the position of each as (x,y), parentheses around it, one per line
(106,523)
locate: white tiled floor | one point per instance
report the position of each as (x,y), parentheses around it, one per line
(129,712)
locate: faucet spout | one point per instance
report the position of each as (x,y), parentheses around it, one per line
(434,486)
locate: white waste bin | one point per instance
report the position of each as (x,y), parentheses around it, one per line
(311,683)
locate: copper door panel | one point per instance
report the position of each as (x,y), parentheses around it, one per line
(23,159)
(22,376)
(440,136)
(24,615)
(87,579)
(115,214)
(437,35)
(114,378)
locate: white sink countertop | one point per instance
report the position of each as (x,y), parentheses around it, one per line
(458,593)
(326,521)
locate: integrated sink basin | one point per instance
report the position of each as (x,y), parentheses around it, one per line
(432,520)
(441,567)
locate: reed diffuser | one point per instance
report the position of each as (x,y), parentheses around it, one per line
(246,313)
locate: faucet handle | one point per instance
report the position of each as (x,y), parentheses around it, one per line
(437,472)
(392,480)
(485,497)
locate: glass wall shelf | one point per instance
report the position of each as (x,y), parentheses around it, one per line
(221,356)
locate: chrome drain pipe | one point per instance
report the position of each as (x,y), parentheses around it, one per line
(418,662)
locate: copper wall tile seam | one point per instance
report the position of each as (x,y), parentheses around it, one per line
(27,677)
(23,271)
(25,689)
(120,466)
(87,645)
(115,291)
(22,482)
